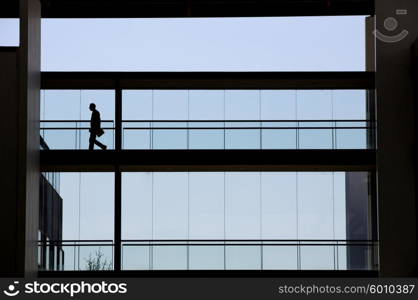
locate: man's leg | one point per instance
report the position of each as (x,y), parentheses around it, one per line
(104,147)
(91,141)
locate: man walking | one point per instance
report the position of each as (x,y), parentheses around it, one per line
(95,128)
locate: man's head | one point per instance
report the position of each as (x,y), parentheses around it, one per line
(92,106)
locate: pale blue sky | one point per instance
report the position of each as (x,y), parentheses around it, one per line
(221,44)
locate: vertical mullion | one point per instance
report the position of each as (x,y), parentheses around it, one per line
(118,179)
(118,219)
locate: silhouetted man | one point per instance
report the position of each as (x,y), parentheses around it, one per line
(95,128)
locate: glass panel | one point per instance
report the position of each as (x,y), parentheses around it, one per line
(359,257)
(136,138)
(242,138)
(316,139)
(317,257)
(135,257)
(278,105)
(279,139)
(340,209)
(242,105)
(170,210)
(349,105)
(137,206)
(206,105)
(342,257)
(170,138)
(95,258)
(280,258)
(315,205)
(169,257)
(206,257)
(61,105)
(206,139)
(242,205)
(351,138)
(60,138)
(9,32)
(70,261)
(314,105)
(279,206)
(88,206)
(243,257)
(137,104)
(170,105)
(206,206)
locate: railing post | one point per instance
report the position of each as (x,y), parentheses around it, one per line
(118,116)
(118,219)
(118,180)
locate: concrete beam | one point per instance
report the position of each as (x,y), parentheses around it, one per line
(396,136)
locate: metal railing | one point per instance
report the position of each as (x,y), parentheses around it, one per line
(217,254)
(218,134)
(73,134)
(93,255)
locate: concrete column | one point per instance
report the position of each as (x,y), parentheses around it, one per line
(20,93)
(395,136)
(29,114)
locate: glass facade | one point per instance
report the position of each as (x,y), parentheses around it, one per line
(252,220)
(216,221)
(212,119)
(245,119)
(245,220)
